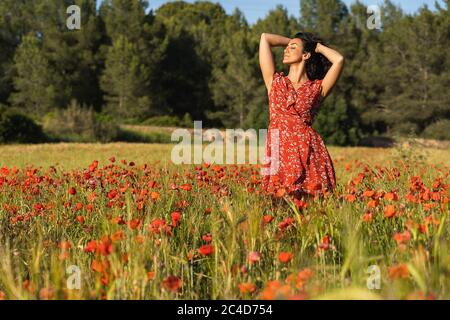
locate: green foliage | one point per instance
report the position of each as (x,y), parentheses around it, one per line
(439,130)
(80,123)
(33,82)
(132,135)
(235,88)
(122,79)
(132,52)
(170,121)
(335,122)
(413,51)
(16,127)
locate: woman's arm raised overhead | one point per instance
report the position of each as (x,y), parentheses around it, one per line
(335,70)
(266,61)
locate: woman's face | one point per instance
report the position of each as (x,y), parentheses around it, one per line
(293,53)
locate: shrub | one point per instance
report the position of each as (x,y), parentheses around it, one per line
(170,121)
(337,123)
(440,130)
(405,129)
(127,135)
(16,127)
(105,128)
(79,123)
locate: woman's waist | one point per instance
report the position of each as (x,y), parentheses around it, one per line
(300,121)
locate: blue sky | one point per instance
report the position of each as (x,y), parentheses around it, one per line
(254,9)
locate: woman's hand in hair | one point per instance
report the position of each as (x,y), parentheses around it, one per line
(335,70)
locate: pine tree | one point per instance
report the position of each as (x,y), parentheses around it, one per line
(276,21)
(16,18)
(121,80)
(34,83)
(236,88)
(196,36)
(127,18)
(71,54)
(308,14)
(415,91)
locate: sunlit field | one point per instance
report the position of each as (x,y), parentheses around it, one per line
(133,225)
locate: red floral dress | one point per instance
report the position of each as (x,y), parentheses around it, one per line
(303,164)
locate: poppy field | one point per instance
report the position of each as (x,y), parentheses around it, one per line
(119,221)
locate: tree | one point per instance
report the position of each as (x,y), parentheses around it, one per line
(415,91)
(336,122)
(70,53)
(322,16)
(122,80)
(33,83)
(16,17)
(125,18)
(236,88)
(276,21)
(195,47)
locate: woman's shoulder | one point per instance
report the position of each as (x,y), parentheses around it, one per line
(278,74)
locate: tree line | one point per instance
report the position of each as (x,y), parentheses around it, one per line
(193,61)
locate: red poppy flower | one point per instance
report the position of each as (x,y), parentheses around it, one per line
(176,217)
(134,224)
(105,246)
(117,236)
(267,219)
(207,237)
(206,250)
(286,223)
(285,257)
(389,211)
(247,287)
(186,186)
(93,166)
(350,198)
(155,195)
(254,257)
(402,238)
(325,245)
(172,283)
(91,246)
(399,271)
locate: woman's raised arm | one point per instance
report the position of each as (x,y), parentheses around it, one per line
(335,70)
(266,61)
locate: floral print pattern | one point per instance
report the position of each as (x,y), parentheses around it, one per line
(303,164)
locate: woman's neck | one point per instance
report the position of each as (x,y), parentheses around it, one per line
(297,73)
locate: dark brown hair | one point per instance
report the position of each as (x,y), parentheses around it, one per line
(317,65)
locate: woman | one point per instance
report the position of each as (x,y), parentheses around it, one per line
(297,160)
